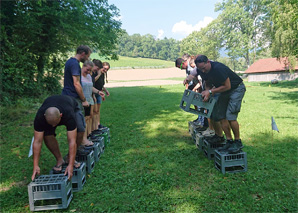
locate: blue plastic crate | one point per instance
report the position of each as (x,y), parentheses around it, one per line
(230,163)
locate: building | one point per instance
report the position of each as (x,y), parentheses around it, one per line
(269,69)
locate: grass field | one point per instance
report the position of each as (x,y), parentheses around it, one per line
(135,63)
(152,164)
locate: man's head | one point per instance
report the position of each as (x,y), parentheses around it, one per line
(181,63)
(203,63)
(83,52)
(53,116)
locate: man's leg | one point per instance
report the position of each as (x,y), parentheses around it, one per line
(226,128)
(235,128)
(52,144)
(217,127)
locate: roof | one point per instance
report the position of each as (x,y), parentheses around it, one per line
(268,65)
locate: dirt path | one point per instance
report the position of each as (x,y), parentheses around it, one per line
(144,77)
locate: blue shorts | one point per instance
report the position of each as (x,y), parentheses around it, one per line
(228,104)
(98,99)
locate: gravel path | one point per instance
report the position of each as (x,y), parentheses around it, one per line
(144,77)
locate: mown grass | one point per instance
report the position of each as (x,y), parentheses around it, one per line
(152,165)
(135,63)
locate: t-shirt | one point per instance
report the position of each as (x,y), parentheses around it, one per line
(72,68)
(66,106)
(219,73)
(100,81)
(87,85)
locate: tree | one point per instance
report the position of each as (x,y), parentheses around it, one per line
(37,35)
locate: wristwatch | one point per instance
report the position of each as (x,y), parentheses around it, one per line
(210,92)
(84,100)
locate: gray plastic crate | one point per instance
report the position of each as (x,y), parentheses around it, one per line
(191,99)
(101,142)
(88,160)
(199,141)
(48,192)
(97,151)
(191,128)
(79,176)
(209,148)
(230,163)
(106,134)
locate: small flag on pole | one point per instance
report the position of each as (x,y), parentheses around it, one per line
(273,124)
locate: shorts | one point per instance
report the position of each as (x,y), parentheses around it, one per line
(98,99)
(87,110)
(80,119)
(228,104)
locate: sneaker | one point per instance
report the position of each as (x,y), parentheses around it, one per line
(101,127)
(82,151)
(235,147)
(226,146)
(208,133)
(201,129)
(215,139)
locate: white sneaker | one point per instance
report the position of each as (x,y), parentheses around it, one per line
(208,132)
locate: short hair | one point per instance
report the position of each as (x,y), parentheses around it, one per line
(88,63)
(201,58)
(186,56)
(106,64)
(179,61)
(83,48)
(97,63)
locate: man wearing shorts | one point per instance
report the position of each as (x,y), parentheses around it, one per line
(231,89)
(55,111)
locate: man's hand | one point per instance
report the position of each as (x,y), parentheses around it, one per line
(85,104)
(36,171)
(69,171)
(185,81)
(205,95)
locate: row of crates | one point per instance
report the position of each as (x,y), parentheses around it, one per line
(223,161)
(55,191)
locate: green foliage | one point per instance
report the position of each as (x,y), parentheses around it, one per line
(36,37)
(152,165)
(148,47)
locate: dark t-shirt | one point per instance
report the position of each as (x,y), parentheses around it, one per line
(66,106)
(72,68)
(219,74)
(100,81)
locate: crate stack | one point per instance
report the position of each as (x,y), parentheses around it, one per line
(55,191)
(223,161)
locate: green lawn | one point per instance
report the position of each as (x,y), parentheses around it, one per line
(135,63)
(152,164)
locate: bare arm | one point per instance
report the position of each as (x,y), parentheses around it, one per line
(72,146)
(188,79)
(224,87)
(37,143)
(79,90)
(96,91)
(106,91)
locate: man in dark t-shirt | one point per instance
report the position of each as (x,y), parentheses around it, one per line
(230,88)
(55,111)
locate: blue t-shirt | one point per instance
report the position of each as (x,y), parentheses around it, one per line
(72,68)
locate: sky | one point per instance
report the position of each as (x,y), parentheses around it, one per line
(165,18)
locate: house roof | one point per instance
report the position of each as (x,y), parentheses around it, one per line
(268,65)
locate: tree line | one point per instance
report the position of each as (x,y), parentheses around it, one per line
(38,36)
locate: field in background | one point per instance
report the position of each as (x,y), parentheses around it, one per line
(135,63)
(152,165)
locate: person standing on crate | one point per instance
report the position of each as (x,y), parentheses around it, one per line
(194,85)
(55,111)
(231,89)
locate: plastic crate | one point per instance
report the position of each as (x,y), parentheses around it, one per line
(78,178)
(209,148)
(101,142)
(88,159)
(191,128)
(199,141)
(191,99)
(106,134)
(230,163)
(97,151)
(48,192)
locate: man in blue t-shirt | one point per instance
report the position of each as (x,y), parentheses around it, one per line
(73,87)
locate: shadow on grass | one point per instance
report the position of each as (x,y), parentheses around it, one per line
(282,84)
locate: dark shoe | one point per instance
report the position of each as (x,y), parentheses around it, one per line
(201,129)
(226,146)
(215,139)
(82,151)
(93,137)
(235,147)
(195,120)
(101,127)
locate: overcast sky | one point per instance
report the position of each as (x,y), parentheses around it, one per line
(165,18)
